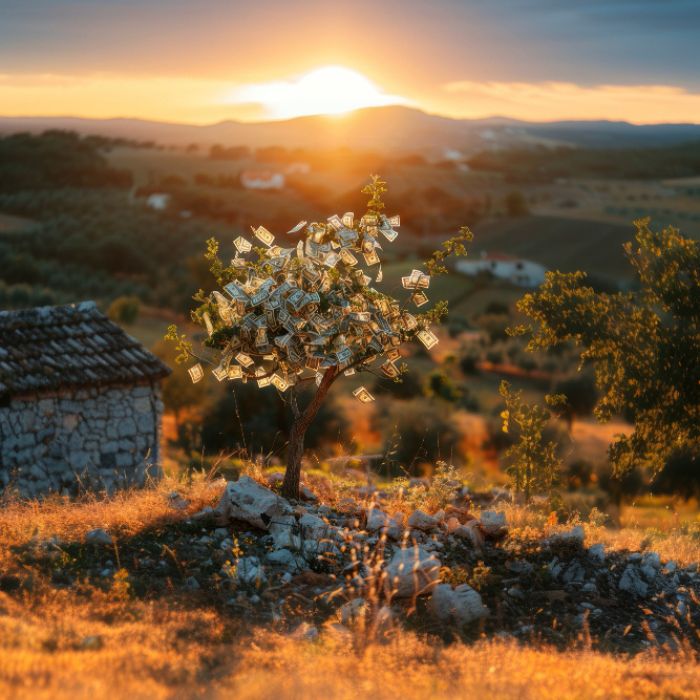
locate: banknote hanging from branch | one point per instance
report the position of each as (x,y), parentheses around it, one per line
(303,307)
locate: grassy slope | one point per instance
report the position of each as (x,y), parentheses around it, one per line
(105,640)
(557,243)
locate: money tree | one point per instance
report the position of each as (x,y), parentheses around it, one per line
(308,309)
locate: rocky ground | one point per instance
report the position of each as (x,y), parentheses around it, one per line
(307,567)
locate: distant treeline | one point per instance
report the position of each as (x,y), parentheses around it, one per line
(57,159)
(546,164)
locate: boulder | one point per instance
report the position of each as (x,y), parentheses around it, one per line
(632,582)
(493,524)
(413,571)
(461,605)
(596,553)
(419,520)
(472,533)
(98,536)
(285,532)
(247,500)
(250,571)
(376,519)
(575,535)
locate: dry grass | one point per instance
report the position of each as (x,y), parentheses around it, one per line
(176,654)
(123,514)
(83,641)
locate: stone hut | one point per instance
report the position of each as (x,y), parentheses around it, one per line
(80,402)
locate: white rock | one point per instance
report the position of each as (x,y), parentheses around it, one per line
(285,532)
(461,605)
(652,559)
(98,536)
(632,582)
(597,552)
(472,533)
(247,500)
(413,571)
(249,570)
(492,522)
(422,521)
(574,535)
(452,524)
(313,527)
(306,632)
(376,519)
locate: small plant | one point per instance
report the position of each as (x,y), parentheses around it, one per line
(533,464)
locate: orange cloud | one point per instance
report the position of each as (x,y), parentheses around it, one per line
(549,101)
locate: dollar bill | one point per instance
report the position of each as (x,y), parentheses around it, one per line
(279,383)
(220,373)
(380,276)
(297,228)
(348,219)
(207,323)
(235,372)
(419,299)
(395,220)
(371,258)
(361,394)
(196,373)
(389,234)
(244,359)
(428,338)
(242,245)
(262,234)
(335,222)
(349,371)
(347,257)
(389,369)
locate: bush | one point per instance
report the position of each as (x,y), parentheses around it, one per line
(124,310)
(416,433)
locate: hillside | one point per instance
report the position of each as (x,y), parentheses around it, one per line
(381,128)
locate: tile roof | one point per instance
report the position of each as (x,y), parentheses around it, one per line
(52,347)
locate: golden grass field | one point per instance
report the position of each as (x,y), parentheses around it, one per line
(87,641)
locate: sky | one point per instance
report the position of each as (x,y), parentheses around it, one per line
(209,60)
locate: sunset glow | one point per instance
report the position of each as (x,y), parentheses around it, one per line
(328,90)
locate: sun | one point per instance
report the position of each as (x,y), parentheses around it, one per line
(327,90)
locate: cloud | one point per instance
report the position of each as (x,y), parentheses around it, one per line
(547,101)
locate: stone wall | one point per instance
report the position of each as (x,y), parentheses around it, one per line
(98,438)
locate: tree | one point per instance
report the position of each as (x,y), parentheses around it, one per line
(644,345)
(581,397)
(533,464)
(310,313)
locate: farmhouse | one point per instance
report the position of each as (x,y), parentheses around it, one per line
(80,402)
(262,180)
(524,273)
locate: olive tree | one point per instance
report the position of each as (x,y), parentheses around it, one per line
(312,310)
(643,344)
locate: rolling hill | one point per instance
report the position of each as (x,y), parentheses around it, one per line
(379,128)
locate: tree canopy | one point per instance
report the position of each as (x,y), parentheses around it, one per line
(644,344)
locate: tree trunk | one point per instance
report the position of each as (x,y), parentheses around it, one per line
(302,421)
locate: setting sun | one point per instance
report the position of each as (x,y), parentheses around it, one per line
(327,90)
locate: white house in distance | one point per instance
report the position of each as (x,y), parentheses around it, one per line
(262,180)
(524,273)
(158,201)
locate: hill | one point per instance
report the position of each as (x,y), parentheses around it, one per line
(382,128)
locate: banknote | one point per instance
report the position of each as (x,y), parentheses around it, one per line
(196,373)
(428,338)
(297,228)
(242,245)
(244,359)
(361,394)
(262,234)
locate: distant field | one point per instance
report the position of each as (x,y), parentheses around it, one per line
(11,224)
(559,243)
